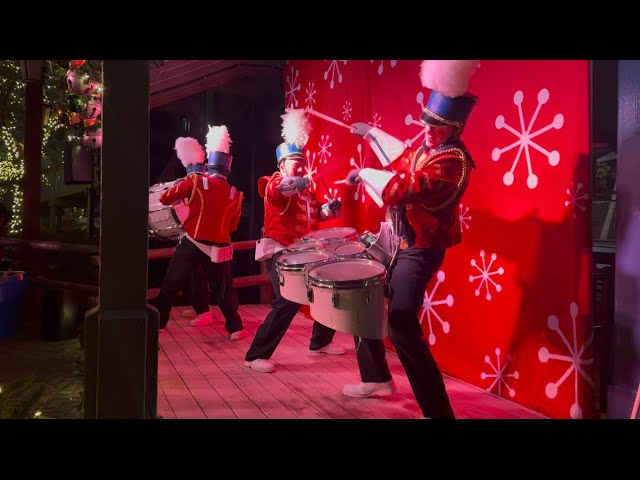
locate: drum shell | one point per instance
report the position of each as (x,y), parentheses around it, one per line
(357,307)
(292,278)
(165,221)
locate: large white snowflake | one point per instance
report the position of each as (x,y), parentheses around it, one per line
(428,305)
(310,91)
(334,68)
(525,138)
(464,218)
(333,194)
(575,198)
(409,120)
(574,359)
(376,121)
(499,374)
(360,191)
(311,168)
(293,86)
(392,63)
(346,111)
(486,274)
(325,148)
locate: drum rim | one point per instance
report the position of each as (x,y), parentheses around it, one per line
(319,245)
(346,284)
(299,267)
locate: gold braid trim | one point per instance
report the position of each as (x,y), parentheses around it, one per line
(266,189)
(194,180)
(442,119)
(195,234)
(463,177)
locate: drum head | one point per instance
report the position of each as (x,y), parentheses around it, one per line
(346,273)
(349,249)
(297,260)
(304,245)
(331,234)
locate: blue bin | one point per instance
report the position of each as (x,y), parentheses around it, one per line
(12,289)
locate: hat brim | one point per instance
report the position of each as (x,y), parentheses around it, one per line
(429,120)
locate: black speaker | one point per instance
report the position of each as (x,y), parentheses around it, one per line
(78,165)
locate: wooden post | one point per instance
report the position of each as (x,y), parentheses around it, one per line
(32,160)
(121,335)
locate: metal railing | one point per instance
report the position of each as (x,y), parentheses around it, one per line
(153,254)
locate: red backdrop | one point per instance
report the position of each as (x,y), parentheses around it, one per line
(510,309)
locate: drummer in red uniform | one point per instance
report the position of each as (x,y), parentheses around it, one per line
(214,212)
(290,212)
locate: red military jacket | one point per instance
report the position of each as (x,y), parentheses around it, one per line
(213,212)
(431,185)
(287,219)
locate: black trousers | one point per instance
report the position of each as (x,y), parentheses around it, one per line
(409,279)
(197,291)
(278,320)
(181,266)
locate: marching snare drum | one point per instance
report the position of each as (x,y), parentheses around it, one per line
(165,221)
(332,237)
(349,296)
(347,250)
(291,273)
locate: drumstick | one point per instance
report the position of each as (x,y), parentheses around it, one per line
(340,182)
(328,118)
(331,197)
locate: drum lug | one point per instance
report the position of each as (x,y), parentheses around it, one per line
(334,299)
(368,299)
(310,295)
(281,279)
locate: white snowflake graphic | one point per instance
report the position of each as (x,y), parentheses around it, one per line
(574,359)
(325,147)
(311,168)
(310,91)
(392,63)
(346,111)
(360,191)
(376,121)
(525,139)
(333,193)
(499,375)
(485,274)
(427,308)
(464,218)
(334,68)
(575,198)
(292,87)
(408,120)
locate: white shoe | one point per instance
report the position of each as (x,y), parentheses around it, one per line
(331,349)
(201,320)
(261,365)
(238,335)
(369,389)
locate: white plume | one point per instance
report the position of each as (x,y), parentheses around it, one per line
(295,127)
(448,77)
(218,139)
(189,151)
